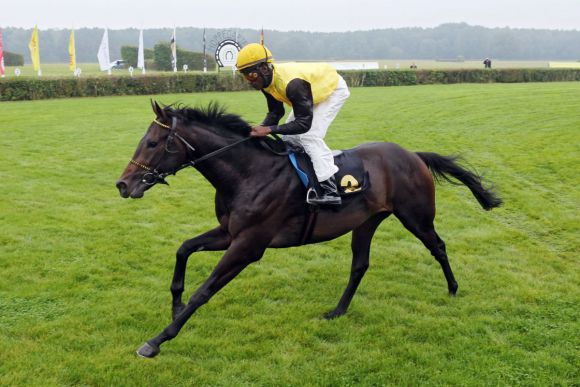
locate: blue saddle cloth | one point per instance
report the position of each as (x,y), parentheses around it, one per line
(351,177)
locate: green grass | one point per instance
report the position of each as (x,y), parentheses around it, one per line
(84,274)
(62,70)
(92,69)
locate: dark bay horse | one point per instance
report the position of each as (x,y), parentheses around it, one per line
(260,201)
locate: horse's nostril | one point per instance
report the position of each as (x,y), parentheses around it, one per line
(122,187)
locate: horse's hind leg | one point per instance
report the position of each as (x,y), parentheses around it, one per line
(421,225)
(213,240)
(361,244)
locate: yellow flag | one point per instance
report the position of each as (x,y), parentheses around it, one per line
(34,49)
(72,58)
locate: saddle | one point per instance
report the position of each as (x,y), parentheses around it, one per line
(351,177)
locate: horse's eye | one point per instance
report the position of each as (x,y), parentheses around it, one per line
(152,144)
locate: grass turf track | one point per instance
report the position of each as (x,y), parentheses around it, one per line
(84,275)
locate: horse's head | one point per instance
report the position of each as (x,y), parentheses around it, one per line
(158,155)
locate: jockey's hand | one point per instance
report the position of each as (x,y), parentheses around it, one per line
(260,131)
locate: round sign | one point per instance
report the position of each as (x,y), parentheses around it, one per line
(226,53)
(17,71)
(185,67)
(131,69)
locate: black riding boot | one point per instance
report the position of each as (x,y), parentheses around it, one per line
(329,195)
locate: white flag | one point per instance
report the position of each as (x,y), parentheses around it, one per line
(103,55)
(204,57)
(141,53)
(173,45)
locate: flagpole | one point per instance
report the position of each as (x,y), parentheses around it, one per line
(38,42)
(141,53)
(204,57)
(262,36)
(174,50)
(108,53)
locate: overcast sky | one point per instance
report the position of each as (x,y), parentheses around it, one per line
(301,15)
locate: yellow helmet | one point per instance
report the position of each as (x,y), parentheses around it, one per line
(253,54)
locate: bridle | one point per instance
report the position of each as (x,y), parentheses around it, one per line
(153,176)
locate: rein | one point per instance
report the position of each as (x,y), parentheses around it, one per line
(216,152)
(153,176)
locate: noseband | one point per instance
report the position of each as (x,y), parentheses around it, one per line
(153,176)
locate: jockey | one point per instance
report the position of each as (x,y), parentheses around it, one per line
(314,91)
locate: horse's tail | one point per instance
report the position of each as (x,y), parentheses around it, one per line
(441,166)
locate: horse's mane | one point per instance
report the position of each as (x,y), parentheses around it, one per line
(214,115)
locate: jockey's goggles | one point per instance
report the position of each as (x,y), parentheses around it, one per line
(251,74)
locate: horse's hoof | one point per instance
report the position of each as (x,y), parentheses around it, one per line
(453,290)
(148,351)
(333,314)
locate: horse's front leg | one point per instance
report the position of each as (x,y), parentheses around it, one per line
(244,249)
(213,240)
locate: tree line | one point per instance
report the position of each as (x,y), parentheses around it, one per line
(447,41)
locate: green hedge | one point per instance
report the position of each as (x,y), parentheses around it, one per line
(17,89)
(425,77)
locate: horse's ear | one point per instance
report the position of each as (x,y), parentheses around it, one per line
(159,112)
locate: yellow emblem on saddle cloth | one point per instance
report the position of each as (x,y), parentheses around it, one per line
(349,184)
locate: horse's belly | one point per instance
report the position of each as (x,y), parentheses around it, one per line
(331,225)
(328,225)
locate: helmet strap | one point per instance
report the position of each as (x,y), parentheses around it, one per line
(267,73)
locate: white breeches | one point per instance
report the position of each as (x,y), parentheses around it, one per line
(313,140)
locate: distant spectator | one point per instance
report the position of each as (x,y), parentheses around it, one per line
(487,63)
(413,66)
